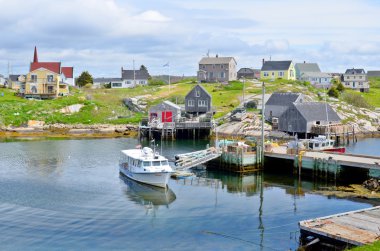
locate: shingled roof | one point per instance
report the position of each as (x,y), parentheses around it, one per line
(283,98)
(355,71)
(216,60)
(134,74)
(316,111)
(307,67)
(276,65)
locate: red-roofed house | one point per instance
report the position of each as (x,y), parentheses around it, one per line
(47,79)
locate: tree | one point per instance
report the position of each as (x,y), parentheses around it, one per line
(333,92)
(84,78)
(340,87)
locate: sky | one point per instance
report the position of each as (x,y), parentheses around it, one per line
(101,36)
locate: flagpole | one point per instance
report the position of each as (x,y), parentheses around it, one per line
(169,76)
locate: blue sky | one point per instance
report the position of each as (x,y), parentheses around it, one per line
(102,36)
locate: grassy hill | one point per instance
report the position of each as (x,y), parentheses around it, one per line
(105,106)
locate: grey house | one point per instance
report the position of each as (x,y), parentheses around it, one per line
(248,73)
(300,117)
(165,112)
(355,79)
(306,68)
(213,69)
(198,100)
(279,102)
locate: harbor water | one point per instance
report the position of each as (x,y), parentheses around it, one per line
(68,195)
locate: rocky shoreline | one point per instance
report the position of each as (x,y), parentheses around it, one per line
(74,130)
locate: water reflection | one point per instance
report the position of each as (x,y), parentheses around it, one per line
(146,195)
(248,184)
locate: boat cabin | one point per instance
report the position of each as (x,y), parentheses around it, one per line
(320,143)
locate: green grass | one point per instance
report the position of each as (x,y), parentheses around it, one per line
(105,105)
(373,247)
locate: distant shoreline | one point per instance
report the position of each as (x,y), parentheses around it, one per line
(70,131)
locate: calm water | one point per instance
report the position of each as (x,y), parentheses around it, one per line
(67,195)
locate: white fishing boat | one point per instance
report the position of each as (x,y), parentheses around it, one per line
(146,166)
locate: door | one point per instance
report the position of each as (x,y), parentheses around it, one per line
(167,116)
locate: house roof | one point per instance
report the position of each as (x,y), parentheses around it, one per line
(316,74)
(283,98)
(68,71)
(51,66)
(217,60)
(373,73)
(314,111)
(248,70)
(276,65)
(14,77)
(135,74)
(307,67)
(355,71)
(201,87)
(169,103)
(105,80)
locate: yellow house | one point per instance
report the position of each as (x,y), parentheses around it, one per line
(46,79)
(278,69)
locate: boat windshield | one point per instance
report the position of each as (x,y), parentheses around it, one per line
(311,145)
(146,163)
(156,163)
(164,162)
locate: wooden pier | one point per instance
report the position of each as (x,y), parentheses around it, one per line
(355,228)
(310,159)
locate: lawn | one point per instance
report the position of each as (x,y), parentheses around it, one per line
(105,106)
(373,247)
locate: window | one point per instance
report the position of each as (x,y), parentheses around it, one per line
(50,78)
(142,82)
(164,162)
(221,66)
(222,74)
(360,77)
(129,82)
(156,163)
(266,74)
(197,93)
(272,73)
(348,77)
(202,103)
(190,103)
(203,66)
(33,78)
(281,74)
(146,163)
(116,84)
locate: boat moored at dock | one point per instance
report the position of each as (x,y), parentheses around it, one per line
(146,166)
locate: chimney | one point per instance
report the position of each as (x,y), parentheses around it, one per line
(304,62)
(35,58)
(216,55)
(122,71)
(263,61)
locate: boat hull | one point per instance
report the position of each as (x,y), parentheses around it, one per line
(159,179)
(336,150)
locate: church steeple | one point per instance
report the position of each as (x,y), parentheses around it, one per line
(35,58)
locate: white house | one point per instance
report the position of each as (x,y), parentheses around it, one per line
(131,78)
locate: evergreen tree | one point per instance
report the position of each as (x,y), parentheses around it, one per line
(84,78)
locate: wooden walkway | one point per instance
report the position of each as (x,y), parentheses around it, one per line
(357,228)
(351,160)
(189,160)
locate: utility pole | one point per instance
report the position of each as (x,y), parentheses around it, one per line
(134,74)
(262,126)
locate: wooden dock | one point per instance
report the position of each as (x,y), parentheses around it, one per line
(356,228)
(308,159)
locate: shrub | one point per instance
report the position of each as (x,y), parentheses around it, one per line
(333,92)
(156,82)
(88,86)
(355,99)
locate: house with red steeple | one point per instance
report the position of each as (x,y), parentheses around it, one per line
(47,80)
